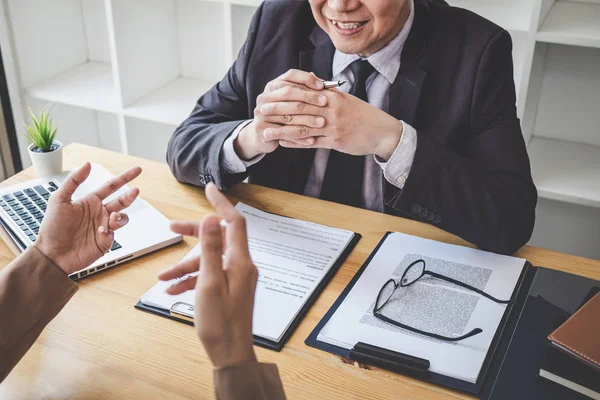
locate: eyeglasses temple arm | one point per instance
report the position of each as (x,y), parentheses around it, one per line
(467,286)
(467,335)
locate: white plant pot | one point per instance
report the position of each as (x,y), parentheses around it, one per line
(47,164)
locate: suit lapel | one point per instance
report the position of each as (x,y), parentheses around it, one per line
(405,92)
(318,60)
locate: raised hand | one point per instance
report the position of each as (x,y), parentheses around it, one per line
(74,234)
(224,285)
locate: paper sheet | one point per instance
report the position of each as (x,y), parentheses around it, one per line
(292,258)
(431,304)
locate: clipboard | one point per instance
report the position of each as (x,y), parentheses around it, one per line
(397,361)
(183,312)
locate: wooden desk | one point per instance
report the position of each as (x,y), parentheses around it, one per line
(100,347)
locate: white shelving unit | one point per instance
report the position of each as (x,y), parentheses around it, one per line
(124,73)
(576,24)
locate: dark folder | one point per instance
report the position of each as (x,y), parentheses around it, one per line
(519,378)
(260,341)
(533,281)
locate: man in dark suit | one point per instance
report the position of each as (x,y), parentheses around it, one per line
(428,130)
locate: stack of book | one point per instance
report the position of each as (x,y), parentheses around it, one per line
(573,357)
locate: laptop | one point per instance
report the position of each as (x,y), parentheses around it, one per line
(22,209)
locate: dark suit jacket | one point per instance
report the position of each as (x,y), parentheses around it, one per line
(471,173)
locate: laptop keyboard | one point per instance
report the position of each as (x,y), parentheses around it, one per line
(27,208)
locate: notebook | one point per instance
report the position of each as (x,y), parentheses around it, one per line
(295,260)
(579,336)
(561,368)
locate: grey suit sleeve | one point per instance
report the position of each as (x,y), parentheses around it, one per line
(194,151)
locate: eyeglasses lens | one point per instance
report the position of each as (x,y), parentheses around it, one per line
(386,294)
(412,273)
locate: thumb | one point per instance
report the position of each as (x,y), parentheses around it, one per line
(106,236)
(212,251)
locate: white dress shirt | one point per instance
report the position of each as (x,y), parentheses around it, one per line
(387,64)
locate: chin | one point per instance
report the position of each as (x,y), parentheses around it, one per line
(348,46)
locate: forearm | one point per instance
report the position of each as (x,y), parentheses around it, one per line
(487,199)
(32,292)
(233,159)
(254,380)
(194,152)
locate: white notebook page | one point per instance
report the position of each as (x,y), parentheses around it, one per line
(431,304)
(292,258)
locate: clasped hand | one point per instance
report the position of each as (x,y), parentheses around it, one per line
(295,111)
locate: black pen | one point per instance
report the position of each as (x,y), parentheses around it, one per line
(332,84)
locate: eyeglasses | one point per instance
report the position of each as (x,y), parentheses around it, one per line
(412,274)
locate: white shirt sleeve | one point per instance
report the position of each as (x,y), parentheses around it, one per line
(397,168)
(230,161)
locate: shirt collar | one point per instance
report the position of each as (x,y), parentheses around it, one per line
(386,61)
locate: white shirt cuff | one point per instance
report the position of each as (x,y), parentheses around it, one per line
(230,161)
(397,168)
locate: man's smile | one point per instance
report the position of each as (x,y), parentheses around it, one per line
(347,27)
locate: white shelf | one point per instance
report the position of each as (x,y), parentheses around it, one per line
(252,3)
(170,104)
(566,171)
(510,14)
(89,85)
(572,23)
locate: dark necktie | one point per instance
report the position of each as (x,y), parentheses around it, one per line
(344,174)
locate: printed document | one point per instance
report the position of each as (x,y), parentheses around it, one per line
(292,258)
(430,304)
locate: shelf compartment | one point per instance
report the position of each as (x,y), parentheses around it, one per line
(568,98)
(170,104)
(566,171)
(572,23)
(88,85)
(148,139)
(512,15)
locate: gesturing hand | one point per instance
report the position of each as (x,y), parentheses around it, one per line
(74,234)
(294,90)
(224,286)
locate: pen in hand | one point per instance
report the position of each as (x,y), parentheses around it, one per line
(332,84)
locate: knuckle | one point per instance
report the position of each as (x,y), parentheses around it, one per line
(211,243)
(239,219)
(301,131)
(287,118)
(252,272)
(335,113)
(299,107)
(271,86)
(286,91)
(312,97)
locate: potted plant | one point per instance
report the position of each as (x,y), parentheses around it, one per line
(45,151)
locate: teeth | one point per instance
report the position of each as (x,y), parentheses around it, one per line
(348,25)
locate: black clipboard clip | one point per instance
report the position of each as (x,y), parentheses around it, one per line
(390,360)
